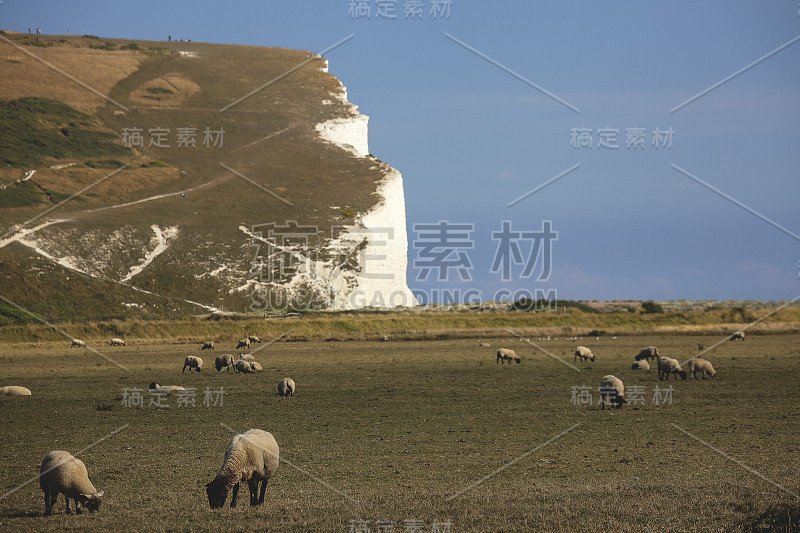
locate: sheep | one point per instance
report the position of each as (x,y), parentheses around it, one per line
(650,352)
(79,343)
(699,364)
(15,390)
(251,456)
(243,367)
(484,344)
(225,360)
(612,391)
(209,345)
(165,388)
(641,365)
(384,338)
(667,366)
(256,366)
(116,341)
(192,362)
(504,354)
(584,353)
(738,335)
(243,343)
(286,387)
(246,357)
(253,338)
(62,473)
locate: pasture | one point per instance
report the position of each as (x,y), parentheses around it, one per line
(430,431)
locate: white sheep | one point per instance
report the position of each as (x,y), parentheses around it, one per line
(253,338)
(208,345)
(243,367)
(286,387)
(246,357)
(79,343)
(243,343)
(650,352)
(739,335)
(504,354)
(192,361)
(484,344)
(116,341)
(256,366)
(62,473)
(612,391)
(165,388)
(583,353)
(225,360)
(251,456)
(641,365)
(15,390)
(667,366)
(384,338)
(699,364)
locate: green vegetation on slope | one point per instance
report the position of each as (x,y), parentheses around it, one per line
(32,129)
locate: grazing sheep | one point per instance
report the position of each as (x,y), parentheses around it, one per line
(699,364)
(612,391)
(484,344)
(251,456)
(62,473)
(384,338)
(584,353)
(246,357)
(192,362)
(504,354)
(253,338)
(243,367)
(641,365)
(79,343)
(667,366)
(208,346)
(165,388)
(225,360)
(117,342)
(286,387)
(738,335)
(15,390)
(650,352)
(243,343)
(256,366)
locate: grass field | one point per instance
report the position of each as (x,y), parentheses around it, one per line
(404,430)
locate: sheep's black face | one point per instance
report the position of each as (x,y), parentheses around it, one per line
(682,374)
(91,502)
(217,494)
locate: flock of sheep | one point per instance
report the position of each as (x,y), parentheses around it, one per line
(612,390)
(253,456)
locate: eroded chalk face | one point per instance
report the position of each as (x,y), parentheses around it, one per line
(217,494)
(91,502)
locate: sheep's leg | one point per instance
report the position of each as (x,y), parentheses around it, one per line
(48,504)
(252,483)
(235,494)
(263,490)
(67,501)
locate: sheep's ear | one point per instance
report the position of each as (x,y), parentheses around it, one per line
(85,497)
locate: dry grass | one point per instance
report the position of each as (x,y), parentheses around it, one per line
(401,427)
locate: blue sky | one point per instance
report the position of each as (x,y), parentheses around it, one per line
(470,137)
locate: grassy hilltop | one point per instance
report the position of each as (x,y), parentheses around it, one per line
(48,120)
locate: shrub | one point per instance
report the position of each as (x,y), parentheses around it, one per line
(651,307)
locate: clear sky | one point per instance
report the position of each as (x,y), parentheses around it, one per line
(481,105)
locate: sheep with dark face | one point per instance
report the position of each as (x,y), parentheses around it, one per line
(612,391)
(505,354)
(739,335)
(224,360)
(252,457)
(253,338)
(286,387)
(641,365)
(698,364)
(193,362)
(583,353)
(243,343)
(77,342)
(650,352)
(668,366)
(208,345)
(60,472)
(116,341)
